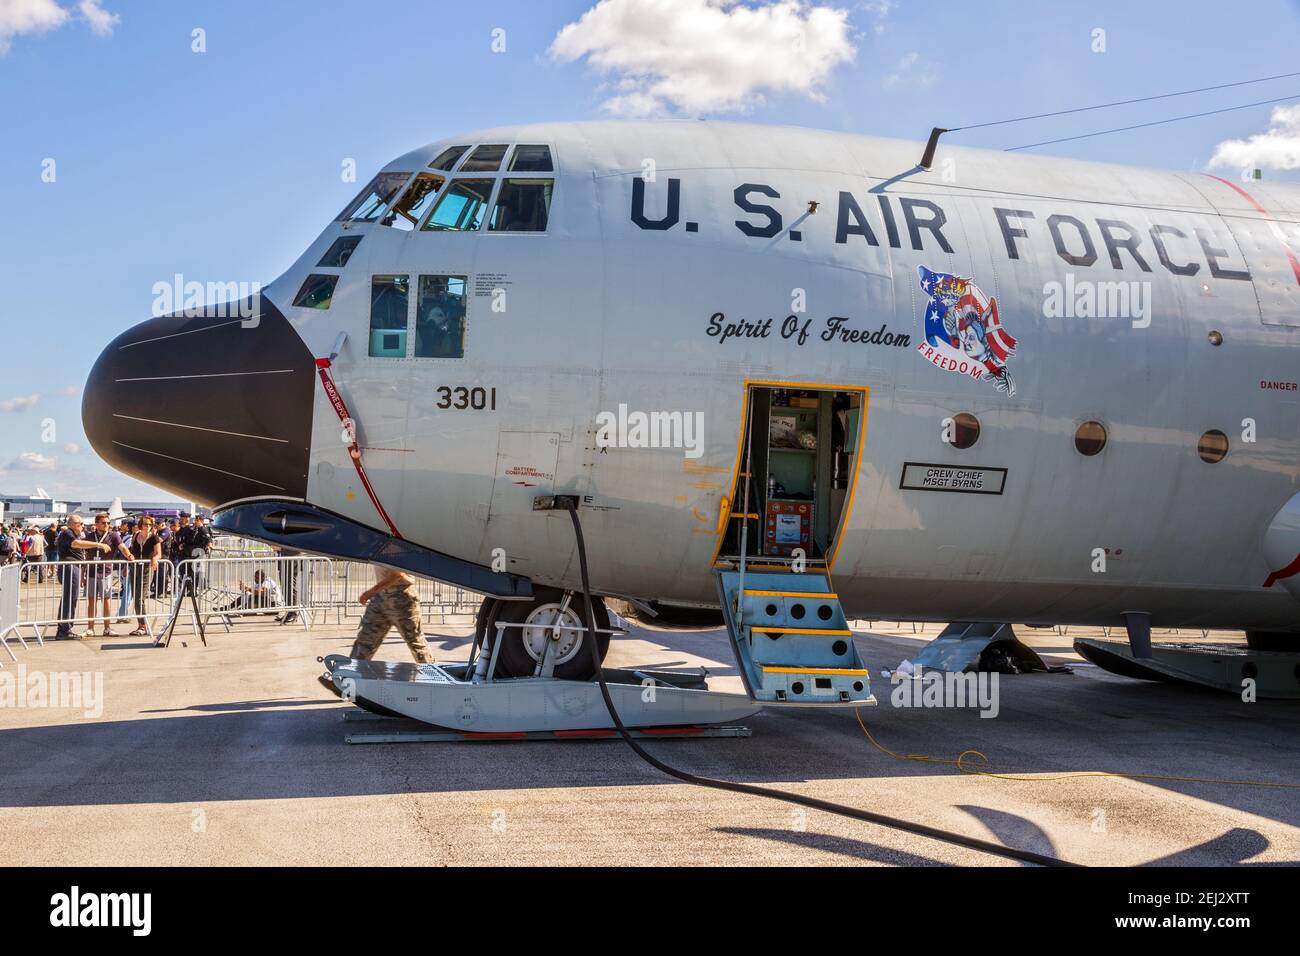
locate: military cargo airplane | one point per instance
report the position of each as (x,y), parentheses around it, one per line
(994,387)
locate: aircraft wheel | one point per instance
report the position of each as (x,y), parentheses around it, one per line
(1273,641)
(524,646)
(483,618)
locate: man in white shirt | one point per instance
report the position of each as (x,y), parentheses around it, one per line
(36,553)
(264,593)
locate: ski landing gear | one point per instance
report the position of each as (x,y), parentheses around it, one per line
(520,682)
(464,698)
(529,671)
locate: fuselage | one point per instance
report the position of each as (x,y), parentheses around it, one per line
(681,261)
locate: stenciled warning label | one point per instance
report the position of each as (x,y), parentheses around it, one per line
(972,480)
(491,283)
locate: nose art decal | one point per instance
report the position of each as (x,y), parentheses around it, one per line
(963,332)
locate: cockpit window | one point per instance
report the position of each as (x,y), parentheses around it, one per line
(523,205)
(316,293)
(339,252)
(461,207)
(388,298)
(446,160)
(485,159)
(374,198)
(531,159)
(415,202)
(440,317)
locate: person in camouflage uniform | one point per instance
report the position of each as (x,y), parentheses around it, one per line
(392,602)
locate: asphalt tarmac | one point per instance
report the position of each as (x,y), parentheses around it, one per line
(233,754)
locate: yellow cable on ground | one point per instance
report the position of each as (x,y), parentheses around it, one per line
(924,758)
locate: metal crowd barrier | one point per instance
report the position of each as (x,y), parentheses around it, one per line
(33,599)
(230,546)
(46,599)
(438,601)
(10,582)
(228,587)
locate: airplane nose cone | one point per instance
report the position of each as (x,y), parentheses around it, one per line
(213,408)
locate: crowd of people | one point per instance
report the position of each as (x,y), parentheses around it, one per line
(87,560)
(140,544)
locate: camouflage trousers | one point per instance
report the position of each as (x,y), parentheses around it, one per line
(396,607)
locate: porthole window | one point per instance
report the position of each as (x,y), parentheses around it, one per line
(1090,438)
(1213,446)
(965,430)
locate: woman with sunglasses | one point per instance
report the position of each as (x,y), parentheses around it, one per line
(146,550)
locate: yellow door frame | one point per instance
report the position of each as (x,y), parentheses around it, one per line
(865,391)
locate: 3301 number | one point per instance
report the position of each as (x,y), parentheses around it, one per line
(461,398)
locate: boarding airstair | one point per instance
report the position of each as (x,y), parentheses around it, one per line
(792,639)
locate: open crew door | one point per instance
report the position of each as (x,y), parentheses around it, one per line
(800,452)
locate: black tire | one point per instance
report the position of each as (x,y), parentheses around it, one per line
(1273,640)
(483,618)
(515,659)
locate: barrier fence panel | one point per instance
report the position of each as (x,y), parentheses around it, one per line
(255,586)
(438,601)
(75,593)
(10,582)
(35,596)
(230,546)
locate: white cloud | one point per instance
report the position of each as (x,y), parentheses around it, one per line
(880,10)
(28,16)
(21,17)
(20,403)
(1278,147)
(32,461)
(910,71)
(100,20)
(72,448)
(702,56)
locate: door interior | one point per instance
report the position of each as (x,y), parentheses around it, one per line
(799,456)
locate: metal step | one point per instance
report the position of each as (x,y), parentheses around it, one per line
(791,639)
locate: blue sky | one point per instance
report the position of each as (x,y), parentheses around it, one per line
(224,165)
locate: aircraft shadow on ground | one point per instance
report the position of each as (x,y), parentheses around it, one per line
(289,748)
(1011,829)
(242,705)
(859,850)
(1048,723)
(1237,846)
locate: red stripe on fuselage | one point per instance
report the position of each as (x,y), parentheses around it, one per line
(1289,571)
(341,409)
(1295,264)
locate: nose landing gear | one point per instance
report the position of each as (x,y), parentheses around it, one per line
(549,617)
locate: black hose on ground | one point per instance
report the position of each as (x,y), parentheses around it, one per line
(880,819)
